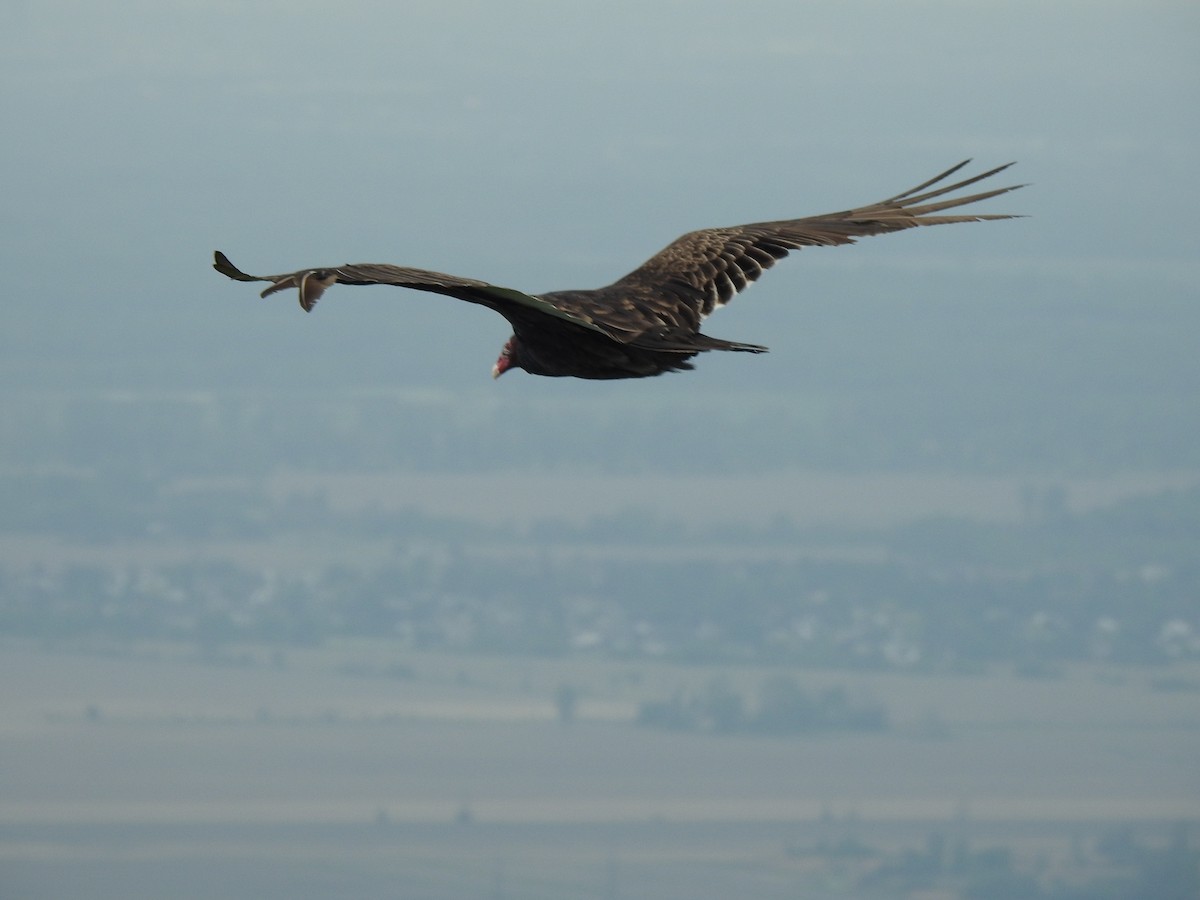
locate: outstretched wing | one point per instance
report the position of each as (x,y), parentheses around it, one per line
(702,270)
(514,305)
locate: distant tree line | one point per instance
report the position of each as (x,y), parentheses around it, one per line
(1113,585)
(781,707)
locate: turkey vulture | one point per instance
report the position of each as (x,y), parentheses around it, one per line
(648,322)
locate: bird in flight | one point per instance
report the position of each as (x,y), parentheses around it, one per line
(649,321)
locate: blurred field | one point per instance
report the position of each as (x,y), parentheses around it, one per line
(353,769)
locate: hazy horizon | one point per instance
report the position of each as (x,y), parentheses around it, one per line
(306,605)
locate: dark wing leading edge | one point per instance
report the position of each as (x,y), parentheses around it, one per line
(676,288)
(312,283)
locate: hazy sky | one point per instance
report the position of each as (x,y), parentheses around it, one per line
(548,145)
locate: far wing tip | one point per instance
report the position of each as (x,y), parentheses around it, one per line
(222,264)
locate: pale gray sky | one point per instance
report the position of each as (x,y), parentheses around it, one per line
(549,145)
(213,459)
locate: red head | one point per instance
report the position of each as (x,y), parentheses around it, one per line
(508,358)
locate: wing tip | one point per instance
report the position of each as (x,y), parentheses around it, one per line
(223,265)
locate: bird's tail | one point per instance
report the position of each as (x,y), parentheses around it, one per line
(695,343)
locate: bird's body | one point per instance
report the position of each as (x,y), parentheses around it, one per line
(649,321)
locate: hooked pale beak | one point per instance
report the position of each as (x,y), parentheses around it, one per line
(504,363)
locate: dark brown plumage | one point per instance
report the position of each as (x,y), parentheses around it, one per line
(649,321)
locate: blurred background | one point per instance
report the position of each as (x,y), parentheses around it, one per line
(307,605)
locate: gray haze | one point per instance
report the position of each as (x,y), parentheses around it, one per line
(549,146)
(306,605)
